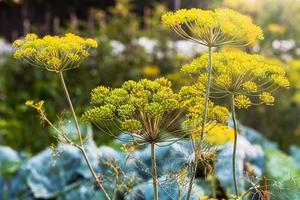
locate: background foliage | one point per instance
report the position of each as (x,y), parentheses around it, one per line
(133,45)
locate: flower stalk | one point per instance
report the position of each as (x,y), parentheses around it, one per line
(81,144)
(154,171)
(234,146)
(195,164)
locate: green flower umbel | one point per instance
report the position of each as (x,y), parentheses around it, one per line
(151,113)
(144,109)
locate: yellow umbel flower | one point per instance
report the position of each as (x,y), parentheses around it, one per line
(53,53)
(213,28)
(250,78)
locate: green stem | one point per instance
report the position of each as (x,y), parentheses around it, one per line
(214,186)
(81,147)
(209,77)
(234,145)
(154,171)
(62,80)
(195,165)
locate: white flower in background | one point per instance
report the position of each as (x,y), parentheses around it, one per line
(117,47)
(298,51)
(283,45)
(286,57)
(5,49)
(187,48)
(181,47)
(147,43)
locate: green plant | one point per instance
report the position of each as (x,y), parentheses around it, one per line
(151,113)
(212,29)
(58,54)
(147,110)
(246,79)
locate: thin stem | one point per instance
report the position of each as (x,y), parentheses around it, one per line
(194,169)
(207,93)
(234,145)
(81,147)
(154,171)
(209,76)
(62,80)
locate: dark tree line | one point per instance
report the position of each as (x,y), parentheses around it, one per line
(18,17)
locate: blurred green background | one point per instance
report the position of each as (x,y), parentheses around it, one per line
(132,45)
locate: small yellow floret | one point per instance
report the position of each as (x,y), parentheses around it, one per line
(91,43)
(17,43)
(37,105)
(31,36)
(281,81)
(29,103)
(242,101)
(250,86)
(267,98)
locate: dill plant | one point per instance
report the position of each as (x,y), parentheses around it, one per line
(211,28)
(247,80)
(150,112)
(58,54)
(146,110)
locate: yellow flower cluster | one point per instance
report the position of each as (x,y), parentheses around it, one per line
(36,105)
(218,134)
(250,86)
(242,101)
(267,98)
(250,78)
(192,100)
(213,28)
(52,52)
(142,108)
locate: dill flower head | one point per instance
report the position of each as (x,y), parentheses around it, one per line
(146,109)
(192,98)
(52,52)
(251,79)
(213,27)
